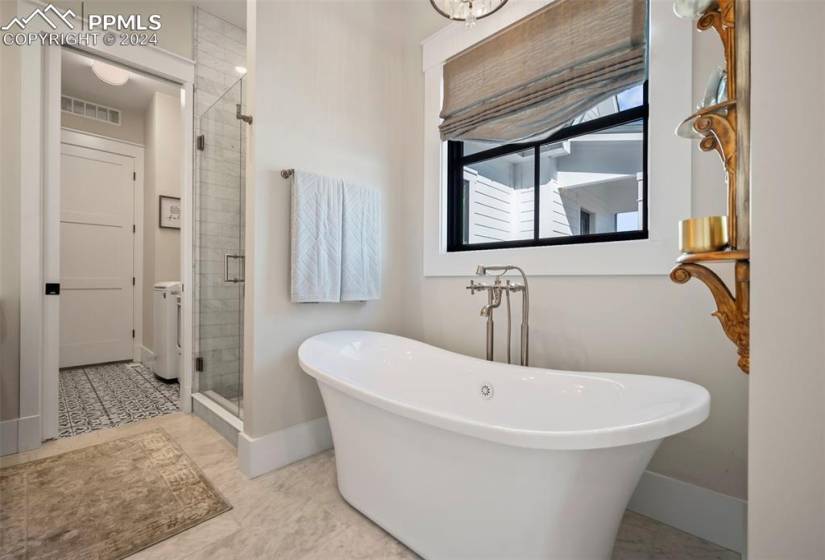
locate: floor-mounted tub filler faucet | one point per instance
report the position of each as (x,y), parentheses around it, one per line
(493,301)
(494,293)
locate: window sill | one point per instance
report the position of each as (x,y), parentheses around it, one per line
(642,257)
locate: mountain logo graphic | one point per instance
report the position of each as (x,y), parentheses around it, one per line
(66,17)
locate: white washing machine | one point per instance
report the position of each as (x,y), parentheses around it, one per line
(167,325)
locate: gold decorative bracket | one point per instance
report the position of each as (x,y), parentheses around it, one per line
(716,125)
(732,311)
(721,16)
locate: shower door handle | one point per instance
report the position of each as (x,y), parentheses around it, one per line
(178,326)
(237,279)
(240,116)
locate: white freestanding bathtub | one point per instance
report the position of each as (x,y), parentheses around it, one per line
(460,458)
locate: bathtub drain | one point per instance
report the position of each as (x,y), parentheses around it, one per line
(487,391)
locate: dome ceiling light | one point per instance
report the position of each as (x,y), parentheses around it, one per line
(467,10)
(112,75)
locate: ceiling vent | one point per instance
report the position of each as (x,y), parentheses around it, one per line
(89,110)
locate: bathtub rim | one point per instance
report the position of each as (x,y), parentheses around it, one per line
(597,438)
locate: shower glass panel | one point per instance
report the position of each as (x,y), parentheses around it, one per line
(219,251)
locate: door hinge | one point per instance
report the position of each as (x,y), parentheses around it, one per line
(201,142)
(52,289)
(133,280)
(134,228)
(133,333)
(134,175)
(198,364)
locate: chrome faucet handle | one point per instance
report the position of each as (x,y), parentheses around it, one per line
(477,287)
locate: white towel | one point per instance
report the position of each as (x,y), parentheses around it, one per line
(361,260)
(316,222)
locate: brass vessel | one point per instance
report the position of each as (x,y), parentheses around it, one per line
(703,235)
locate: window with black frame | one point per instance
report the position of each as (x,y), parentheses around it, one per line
(584,183)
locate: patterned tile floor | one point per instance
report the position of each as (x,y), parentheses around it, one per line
(108,395)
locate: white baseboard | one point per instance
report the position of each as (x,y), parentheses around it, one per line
(278,449)
(29,433)
(147,357)
(709,515)
(712,516)
(19,434)
(8,437)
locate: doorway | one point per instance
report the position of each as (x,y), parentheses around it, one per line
(219,251)
(120,247)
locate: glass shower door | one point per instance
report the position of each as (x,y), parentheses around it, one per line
(219,251)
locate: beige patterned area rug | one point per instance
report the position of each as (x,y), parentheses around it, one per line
(103,502)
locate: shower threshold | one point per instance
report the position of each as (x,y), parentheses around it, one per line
(211,407)
(231,404)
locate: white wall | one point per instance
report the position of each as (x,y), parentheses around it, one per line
(325,93)
(131,128)
(625,324)
(340,92)
(175,34)
(163,163)
(9,228)
(787,412)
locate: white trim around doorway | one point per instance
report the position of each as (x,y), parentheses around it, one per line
(40,181)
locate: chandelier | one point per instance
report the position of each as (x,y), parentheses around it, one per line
(467,10)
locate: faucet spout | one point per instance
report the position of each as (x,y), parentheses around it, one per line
(493,301)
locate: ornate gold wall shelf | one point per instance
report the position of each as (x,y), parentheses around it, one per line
(715,256)
(716,126)
(725,129)
(733,311)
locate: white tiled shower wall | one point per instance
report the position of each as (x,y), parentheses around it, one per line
(219,48)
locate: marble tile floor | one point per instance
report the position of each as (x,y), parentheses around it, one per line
(296,513)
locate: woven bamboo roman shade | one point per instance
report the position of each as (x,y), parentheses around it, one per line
(544,70)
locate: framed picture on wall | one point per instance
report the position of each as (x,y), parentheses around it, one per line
(169,213)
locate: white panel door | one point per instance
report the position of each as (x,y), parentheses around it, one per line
(97,213)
